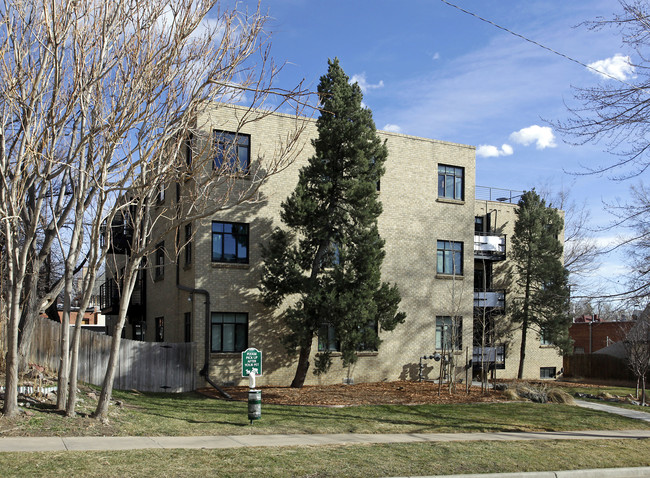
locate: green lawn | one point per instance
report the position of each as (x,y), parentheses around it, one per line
(333,461)
(194,414)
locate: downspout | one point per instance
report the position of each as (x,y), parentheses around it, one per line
(205,371)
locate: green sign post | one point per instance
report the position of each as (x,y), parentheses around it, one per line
(251,361)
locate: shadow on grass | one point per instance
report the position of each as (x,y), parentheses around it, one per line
(196,409)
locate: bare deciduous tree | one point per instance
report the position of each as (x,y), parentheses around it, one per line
(97,101)
(637,349)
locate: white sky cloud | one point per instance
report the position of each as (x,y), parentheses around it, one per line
(393,128)
(542,136)
(436,56)
(363,82)
(489,151)
(618,66)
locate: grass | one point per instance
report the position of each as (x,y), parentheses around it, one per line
(330,461)
(193,414)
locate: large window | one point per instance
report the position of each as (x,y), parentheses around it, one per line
(160,329)
(229,242)
(159,266)
(232,151)
(450,182)
(188,326)
(449,330)
(229,332)
(188,244)
(327,338)
(545,338)
(450,258)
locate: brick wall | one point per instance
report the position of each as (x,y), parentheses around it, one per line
(414,218)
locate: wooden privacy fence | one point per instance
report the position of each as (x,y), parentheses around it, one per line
(144,366)
(597,366)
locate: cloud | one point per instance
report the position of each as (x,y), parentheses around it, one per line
(393,128)
(618,66)
(436,56)
(363,83)
(489,151)
(542,136)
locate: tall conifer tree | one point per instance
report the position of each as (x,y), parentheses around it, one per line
(541,277)
(328,263)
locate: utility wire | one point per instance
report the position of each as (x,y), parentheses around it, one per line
(538,44)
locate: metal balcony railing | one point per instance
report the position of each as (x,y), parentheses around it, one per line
(489,246)
(491,298)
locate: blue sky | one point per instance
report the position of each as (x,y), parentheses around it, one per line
(428,69)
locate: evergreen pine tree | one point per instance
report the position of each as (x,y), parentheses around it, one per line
(540,274)
(328,263)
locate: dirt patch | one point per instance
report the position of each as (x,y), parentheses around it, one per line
(381,393)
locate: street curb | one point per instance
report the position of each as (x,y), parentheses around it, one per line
(595,473)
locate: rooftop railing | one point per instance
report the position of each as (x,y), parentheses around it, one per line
(486,193)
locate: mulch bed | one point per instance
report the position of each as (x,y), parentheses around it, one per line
(380,393)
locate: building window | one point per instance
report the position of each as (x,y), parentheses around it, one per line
(449,330)
(479,225)
(327,338)
(188,244)
(160,194)
(229,332)
(450,258)
(139,329)
(232,151)
(547,372)
(159,264)
(188,326)
(160,329)
(544,338)
(450,182)
(229,242)
(189,143)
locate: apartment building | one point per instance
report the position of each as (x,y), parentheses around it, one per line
(446,250)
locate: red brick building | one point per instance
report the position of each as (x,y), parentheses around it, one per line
(589,334)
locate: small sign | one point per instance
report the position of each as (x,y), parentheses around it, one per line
(251,361)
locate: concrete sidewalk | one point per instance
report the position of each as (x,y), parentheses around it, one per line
(18,444)
(625,412)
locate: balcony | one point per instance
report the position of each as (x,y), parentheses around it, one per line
(491,299)
(110,295)
(121,235)
(489,246)
(489,357)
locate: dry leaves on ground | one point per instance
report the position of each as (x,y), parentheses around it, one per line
(380,393)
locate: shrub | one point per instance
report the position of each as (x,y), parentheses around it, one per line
(556,395)
(537,394)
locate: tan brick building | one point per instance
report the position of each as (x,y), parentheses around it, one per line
(429,220)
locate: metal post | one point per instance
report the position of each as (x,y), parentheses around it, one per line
(254,405)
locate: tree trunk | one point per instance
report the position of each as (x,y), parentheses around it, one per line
(10,408)
(74,365)
(522,350)
(303,366)
(101,412)
(524,322)
(64,360)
